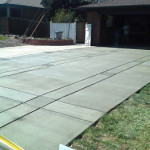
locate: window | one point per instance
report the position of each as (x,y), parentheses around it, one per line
(15,12)
(3,12)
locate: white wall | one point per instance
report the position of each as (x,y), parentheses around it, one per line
(69,30)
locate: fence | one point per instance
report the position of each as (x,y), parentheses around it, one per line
(19,26)
(4,27)
(68,29)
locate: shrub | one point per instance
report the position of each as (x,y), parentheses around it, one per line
(61,15)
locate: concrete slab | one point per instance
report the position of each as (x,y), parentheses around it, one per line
(15,113)
(13,72)
(107,94)
(14,94)
(135,78)
(7,103)
(144,59)
(95,65)
(12,66)
(38,86)
(57,94)
(4,147)
(33,60)
(101,96)
(75,111)
(40,101)
(59,76)
(44,130)
(122,68)
(10,52)
(80,101)
(60,93)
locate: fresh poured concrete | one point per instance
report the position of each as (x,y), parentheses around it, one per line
(74,111)
(44,130)
(6,103)
(50,97)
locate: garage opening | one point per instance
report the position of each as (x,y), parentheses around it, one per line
(125,30)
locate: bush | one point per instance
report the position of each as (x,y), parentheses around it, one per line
(61,15)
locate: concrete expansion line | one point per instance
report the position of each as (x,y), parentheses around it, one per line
(87,77)
(19,103)
(36,96)
(65,96)
(82,79)
(37,67)
(102,73)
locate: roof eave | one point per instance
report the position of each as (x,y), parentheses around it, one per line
(105,7)
(21,6)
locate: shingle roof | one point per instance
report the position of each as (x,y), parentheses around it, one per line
(31,3)
(117,3)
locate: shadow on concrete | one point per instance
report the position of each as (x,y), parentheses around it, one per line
(128,47)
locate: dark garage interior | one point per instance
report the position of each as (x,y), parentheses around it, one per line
(138,34)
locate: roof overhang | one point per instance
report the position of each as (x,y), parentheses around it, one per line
(21,3)
(18,6)
(122,10)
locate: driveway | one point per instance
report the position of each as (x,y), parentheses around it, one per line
(50,97)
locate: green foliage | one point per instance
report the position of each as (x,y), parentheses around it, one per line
(55,5)
(58,4)
(3,38)
(125,128)
(61,15)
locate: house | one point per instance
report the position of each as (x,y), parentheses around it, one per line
(108,19)
(17,15)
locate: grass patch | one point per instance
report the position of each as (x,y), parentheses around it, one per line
(125,128)
(3,38)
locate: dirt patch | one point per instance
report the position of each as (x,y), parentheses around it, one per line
(10,41)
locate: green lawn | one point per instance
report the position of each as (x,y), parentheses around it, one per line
(3,38)
(127,127)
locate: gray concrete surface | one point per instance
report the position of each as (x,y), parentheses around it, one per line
(50,97)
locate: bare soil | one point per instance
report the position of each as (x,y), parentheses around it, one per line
(11,41)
